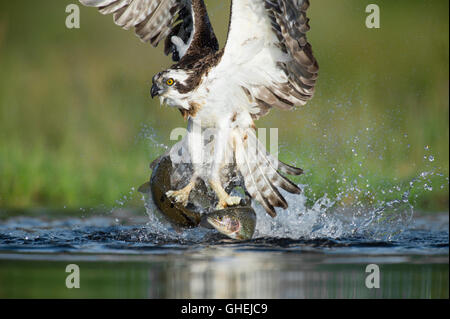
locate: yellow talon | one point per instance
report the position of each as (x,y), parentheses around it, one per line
(182,196)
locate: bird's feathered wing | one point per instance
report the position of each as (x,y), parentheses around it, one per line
(184,24)
(268,53)
(267,61)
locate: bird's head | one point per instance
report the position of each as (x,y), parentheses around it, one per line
(170,86)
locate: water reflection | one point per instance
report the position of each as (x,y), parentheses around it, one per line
(223,273)
(129,261)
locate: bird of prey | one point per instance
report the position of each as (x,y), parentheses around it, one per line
(266,62)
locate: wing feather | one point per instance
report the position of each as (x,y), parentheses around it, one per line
(268,52)
(155,20)
(248,170)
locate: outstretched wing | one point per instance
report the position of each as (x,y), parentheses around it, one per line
(184,23)
(268,55)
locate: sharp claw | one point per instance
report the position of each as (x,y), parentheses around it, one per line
(180,197)
(228,201)
(220,206)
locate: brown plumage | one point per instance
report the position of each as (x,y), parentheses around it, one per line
(198,67)
(290,24)
(155,20)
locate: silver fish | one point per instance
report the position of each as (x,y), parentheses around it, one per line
(234,222)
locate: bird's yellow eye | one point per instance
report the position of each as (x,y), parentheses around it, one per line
(170,82)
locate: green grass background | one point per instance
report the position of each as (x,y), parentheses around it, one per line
(76,115)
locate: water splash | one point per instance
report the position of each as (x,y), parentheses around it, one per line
(324,219)
(357,204)
(147,133)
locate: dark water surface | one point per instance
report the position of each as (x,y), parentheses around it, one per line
(135,260)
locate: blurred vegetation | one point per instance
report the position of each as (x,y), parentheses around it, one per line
(77,124)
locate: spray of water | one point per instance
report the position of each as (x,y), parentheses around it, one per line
(373,212)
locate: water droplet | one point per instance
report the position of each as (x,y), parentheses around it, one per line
(431,158)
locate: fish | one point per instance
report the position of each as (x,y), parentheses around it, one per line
(160,182)
(237,222)
(234,222)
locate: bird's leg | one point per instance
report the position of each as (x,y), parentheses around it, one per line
(221,142)
(182,196)
(194,144)
(225,199)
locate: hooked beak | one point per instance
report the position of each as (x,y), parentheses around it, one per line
(154,91)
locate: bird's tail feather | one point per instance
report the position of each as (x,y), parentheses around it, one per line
(262,172)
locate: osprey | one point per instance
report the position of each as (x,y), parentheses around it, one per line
(266,62)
